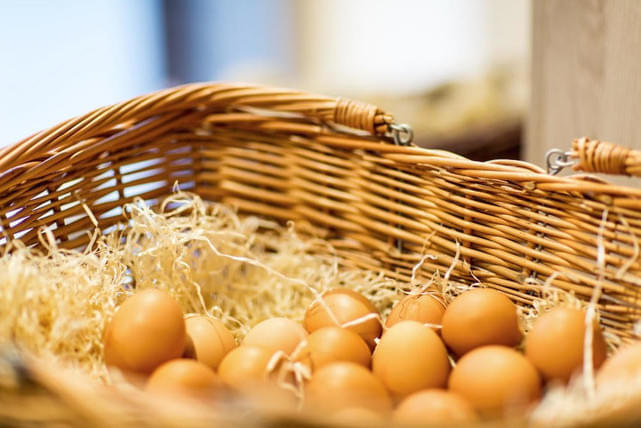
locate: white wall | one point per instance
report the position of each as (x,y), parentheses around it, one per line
(400,46)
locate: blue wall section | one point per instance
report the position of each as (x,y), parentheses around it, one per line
(62,58)
(215,36)
(59,59)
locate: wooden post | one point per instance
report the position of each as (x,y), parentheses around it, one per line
(586,74)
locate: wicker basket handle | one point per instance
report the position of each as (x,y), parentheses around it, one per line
(174,103)
(363,116)
(342,111)
(604,157)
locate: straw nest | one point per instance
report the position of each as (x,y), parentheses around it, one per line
(55,303)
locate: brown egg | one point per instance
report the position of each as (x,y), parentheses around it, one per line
(342,385)
(434,406)
(346,305)
(410,357)
(479,317)
(208,341)
(555,343)
(331,344)
(183,376)
(276,333)
(147,330)
(246,371)
(246,366)
(495,379)
(424,308)
(625,364)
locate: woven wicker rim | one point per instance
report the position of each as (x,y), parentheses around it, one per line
(289,155)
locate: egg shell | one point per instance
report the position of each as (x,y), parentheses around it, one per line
(276,333)
(246,366)
(343,385)
(410,357)
(624,365)
(424,308)
(434,406)
(269,399)
(346,305)
(112,357)
(208,340)
(555,343)
(356,416)
(331,344)
(496,380)
(479,317)
(147,330)
(183,376)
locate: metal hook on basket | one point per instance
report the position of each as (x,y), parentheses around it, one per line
(403,134)
(556,160)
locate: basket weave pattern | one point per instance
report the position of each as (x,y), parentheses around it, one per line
(290,156)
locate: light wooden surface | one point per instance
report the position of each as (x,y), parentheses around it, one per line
(586,74)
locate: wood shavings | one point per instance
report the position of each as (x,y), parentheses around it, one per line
(241,270)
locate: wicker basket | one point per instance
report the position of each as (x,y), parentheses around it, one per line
(332,163)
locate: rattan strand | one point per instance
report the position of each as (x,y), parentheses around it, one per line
(605,157)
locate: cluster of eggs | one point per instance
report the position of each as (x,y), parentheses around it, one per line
(428,363)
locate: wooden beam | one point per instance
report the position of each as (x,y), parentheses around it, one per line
(586,74)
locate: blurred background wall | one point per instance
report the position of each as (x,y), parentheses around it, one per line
(63,58)
(454,69)
(586,74)
(400,47)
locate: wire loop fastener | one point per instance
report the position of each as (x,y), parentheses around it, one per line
(402,133)
(556,160)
